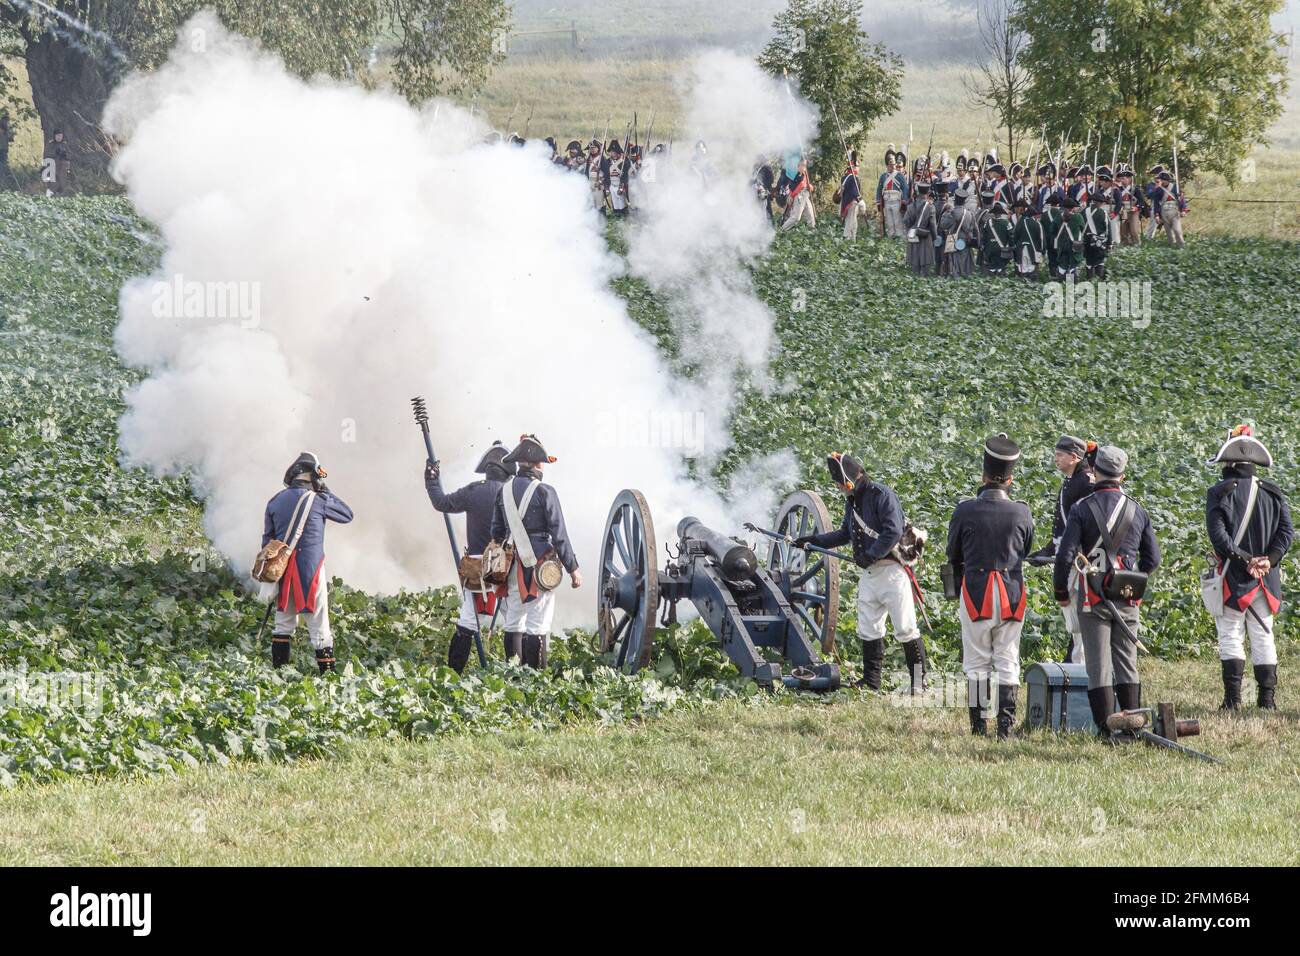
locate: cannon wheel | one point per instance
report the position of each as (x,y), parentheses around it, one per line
(628,594)
(813,587)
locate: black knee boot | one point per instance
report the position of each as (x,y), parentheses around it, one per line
(280,649)
(1102,702)
(1006,710)
(325,659)
(1129,696)
(978,692)
(873,662)
(1266,681)
(1232,673)
(534,651)
(914,652)
(514,644)
(458,652)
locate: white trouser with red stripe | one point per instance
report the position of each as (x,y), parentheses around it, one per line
(1235,626)
(885,590)
(318,621)
(990,646)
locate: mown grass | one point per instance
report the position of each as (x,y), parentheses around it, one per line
(865,781)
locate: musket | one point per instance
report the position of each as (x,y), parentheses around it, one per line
(422,419)
(1177,187)
(843,142)
(528,122)
(649,130)
(929,163)
(1114,153)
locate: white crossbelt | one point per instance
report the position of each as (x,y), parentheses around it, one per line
(514,518)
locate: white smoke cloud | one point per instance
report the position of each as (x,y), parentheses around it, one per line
(391,254)
(704,226)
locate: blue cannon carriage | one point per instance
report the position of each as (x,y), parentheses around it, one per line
(787,608)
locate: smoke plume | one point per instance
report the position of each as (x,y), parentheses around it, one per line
(329,252)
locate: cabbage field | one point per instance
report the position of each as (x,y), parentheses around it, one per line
(107,582)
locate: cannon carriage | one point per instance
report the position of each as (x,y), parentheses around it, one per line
(788,606)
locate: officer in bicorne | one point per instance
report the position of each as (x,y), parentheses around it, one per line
(989,538)
(1249,523)
(528,513)
(874,523)
(476,501)
(1085,567)
(304,589)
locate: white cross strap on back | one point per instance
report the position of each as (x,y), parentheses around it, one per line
(298,509)
(514,518)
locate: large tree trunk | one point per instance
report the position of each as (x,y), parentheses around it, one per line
(69,89)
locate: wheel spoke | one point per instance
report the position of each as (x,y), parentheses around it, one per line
(621,545)
(815,570)
(807,618)
(807,597)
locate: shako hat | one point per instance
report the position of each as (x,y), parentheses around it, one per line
(1243,446)
(305,464)
(844,468)
(1000,457)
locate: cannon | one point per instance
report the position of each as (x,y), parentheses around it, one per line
(788,607)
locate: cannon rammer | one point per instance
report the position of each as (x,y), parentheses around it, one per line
(788,607)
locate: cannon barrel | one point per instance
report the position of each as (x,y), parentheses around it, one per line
(737,561)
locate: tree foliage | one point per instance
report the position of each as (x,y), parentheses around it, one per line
(1209,73)
(77,49)
(999,81)
(819,44)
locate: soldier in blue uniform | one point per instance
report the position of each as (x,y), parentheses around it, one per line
(528,513)
(1249,523)
(874,523)
(1048,187)
(476,501)
(989,538)
(299,521)
(1071,459)
(1109,625)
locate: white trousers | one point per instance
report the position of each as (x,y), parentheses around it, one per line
(884,590)
(1071,614)
(470,619)
(1172,221)
(801,210)
(532,618)
(318,621)
(990,646)
(1234,626)
(894,216)
(851,222)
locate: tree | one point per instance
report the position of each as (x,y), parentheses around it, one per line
(1000,82)
(819,43)
(1207,73)
(76,50)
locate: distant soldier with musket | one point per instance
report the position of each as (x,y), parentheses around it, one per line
(1096,233)
(476,501)
(892,191)
(961,237)
(1133,208)
(1102,564)
(1029,239)
(874,524)
(997,241)
(528,514)
(1068,240)
(989,538)
(849,196)
(1249,523)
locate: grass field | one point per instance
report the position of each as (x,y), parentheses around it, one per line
(862,781)
(203,754)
